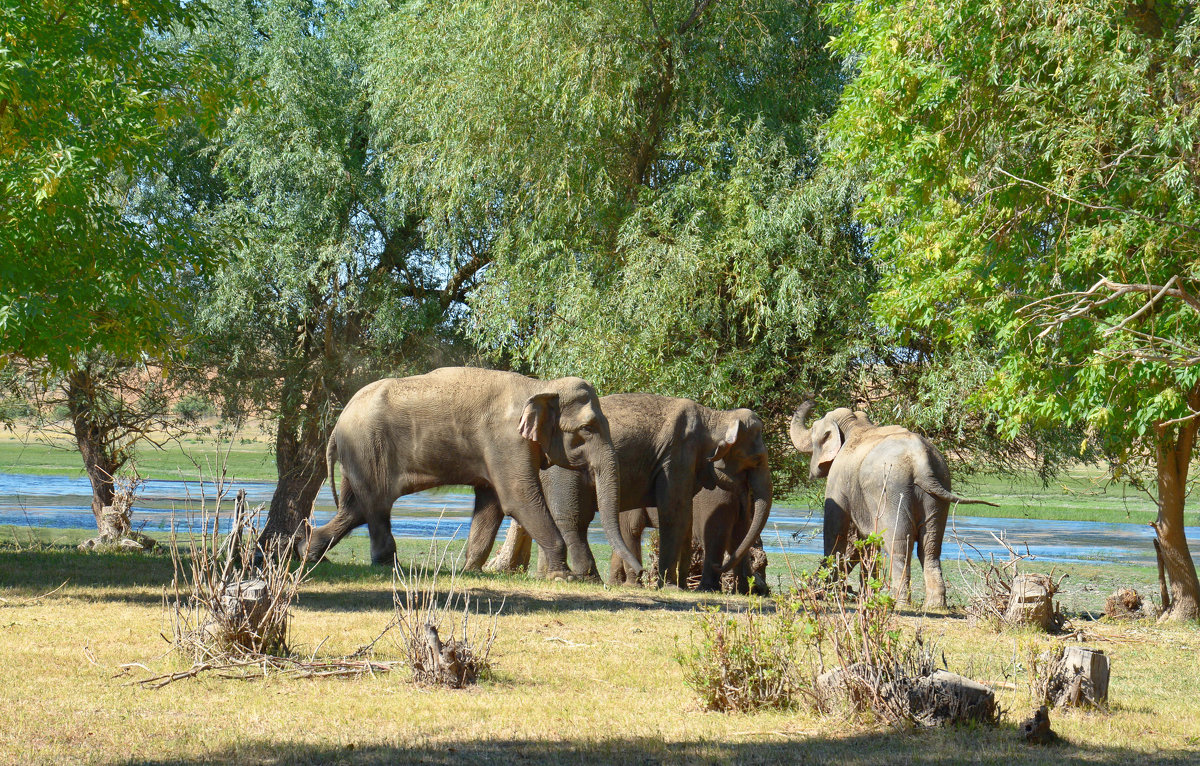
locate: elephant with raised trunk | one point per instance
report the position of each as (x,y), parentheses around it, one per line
(668,449)
(461,425)
(881,479)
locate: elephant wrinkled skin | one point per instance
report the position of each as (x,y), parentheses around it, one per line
(881,479)
(668,449)
(460,425)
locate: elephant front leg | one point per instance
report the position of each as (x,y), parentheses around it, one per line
(383,543)
(522,498)
(485,525)
(674,531)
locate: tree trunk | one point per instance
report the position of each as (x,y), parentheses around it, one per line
(1174,453)
(300,469)
(90,437)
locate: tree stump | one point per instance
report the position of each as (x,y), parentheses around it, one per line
(514,555)
(116,530)
(1031,601)
(244,617)
(1036,728)
(1079,679)
(443,664)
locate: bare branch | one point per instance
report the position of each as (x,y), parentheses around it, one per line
(1089,206)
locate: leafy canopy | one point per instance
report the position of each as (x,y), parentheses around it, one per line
(86,95)
(1022,151)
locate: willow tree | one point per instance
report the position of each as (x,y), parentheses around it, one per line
(647,177)
(328,281)
(1035,176)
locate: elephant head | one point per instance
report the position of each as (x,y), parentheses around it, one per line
(740,450)
(570,429)
(825,438)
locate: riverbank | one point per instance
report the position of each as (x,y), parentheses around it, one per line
(1083,494)
(582,674)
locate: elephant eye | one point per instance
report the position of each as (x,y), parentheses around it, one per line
(586,430)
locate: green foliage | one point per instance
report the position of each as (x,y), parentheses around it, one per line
(329,280)
(1020,152)
(192,407)
(739,663)
(87,94)
(645,179)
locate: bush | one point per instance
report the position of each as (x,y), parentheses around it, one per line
(748,661)
(838,648)
(192,407)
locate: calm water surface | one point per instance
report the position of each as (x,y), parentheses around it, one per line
(64,502)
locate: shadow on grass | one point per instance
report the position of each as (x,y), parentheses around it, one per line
(138,578)
(1002,745)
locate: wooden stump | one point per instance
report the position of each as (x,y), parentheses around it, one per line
(245,616)
(1079,679)
(1031,601)
(514,555)
(443,664)
(1036,728)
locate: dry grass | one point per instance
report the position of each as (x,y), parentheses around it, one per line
(581,675)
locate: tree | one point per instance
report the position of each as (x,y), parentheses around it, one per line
(85,99)
(329,280)
(647,178)
(105,405)
(1029,163)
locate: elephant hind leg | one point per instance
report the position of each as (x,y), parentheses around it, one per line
(349,516)
(929,551)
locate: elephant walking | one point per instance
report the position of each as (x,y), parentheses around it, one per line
(485,428)
(667,449)
(881,479)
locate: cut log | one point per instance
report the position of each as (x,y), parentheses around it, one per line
(1036,728)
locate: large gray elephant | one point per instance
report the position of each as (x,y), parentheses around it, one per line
(721,517)
(881,479)
(668,449)
(460,425)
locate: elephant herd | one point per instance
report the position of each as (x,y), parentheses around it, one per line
(553,455)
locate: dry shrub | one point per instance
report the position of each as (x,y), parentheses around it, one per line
(221,604)
(1127,604)
(116,520)
(443,646)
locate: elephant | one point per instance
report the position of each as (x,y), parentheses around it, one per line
(668,449)
(881,479)
(720,518)
(462,425)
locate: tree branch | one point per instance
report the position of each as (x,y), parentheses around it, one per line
(1089,206)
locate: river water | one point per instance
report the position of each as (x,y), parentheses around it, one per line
(65,502)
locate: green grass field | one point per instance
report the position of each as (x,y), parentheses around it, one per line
(583,674)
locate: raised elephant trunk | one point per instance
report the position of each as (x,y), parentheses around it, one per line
(760,491)
(607,478)
(801,436)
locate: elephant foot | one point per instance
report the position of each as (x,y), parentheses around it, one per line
(560,575)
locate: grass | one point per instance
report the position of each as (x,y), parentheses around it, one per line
(250,457)
(583,675)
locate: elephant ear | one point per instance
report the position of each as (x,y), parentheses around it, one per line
(539,418)
(830,446)
(736,430)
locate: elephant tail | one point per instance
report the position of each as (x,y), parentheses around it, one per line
(934,487)
(331,457)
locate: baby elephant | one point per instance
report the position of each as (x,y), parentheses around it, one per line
(885,480)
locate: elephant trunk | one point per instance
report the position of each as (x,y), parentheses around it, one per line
(801,436)
(760,491)
(607,478)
